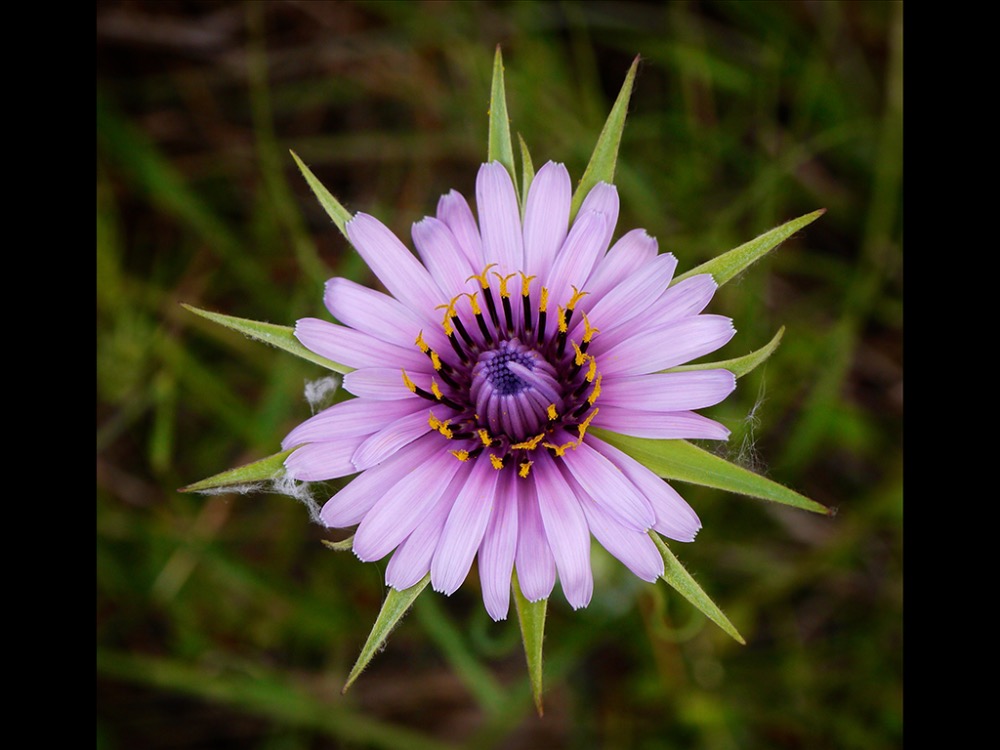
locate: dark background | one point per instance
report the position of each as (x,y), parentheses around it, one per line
(223,622)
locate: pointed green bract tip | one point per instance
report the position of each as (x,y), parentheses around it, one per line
(499,146)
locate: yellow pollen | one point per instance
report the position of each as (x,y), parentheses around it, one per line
(588,330)
(561,449)
(562,320)
(503,283)
(580,356)
(551,411)
(421,343)
(525,282)
(434,422)
(543,303)
(435,360)
(461,455)
(585,424)
(473,302)
(596,392)
(592,369)
(481,278)
(409,383)
(436,390)
(485,437)
(525,468)
(442,427)
(577,295)
(496,461)
(528,445)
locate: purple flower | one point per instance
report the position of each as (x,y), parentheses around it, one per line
(476,382)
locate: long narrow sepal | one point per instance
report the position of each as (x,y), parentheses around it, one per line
(729,264)
(681,581)
(263,470)
(499,147)
(282,337)
(396,605)
(605,157)
(680,460)
(527,172)
(331,205)
(739,366)
(531,616)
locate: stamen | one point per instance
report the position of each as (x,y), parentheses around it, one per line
(588,330)
(461,455)
(528,445)
(481,278)
(435,360)
(477,311)
(505,300)
(594,394)
(560,450)
(409,383)
(582,427)
(542,307)
(563,329)
(524,469)
(552,413)
(592,370)
(496,461)
(577,296)
(485,437)
(580,356)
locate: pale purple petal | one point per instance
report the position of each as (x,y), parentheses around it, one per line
(317,462)
(499,218)
(633,548)
(536,569)
(631,298)
(633,251)
(350,419)
(606,484)
(443,257)
(412,559)
(674,517)
(376,314)
(384,443)
(385,383)
(687,298)
(546,218)
(352,503)
(566,530)
(353,348)
(670,425)
(660,348)
(669,391)
(395,266)
(603,199)
(399,511)
(464,529)
(580,251)
(496,553)
(454,211)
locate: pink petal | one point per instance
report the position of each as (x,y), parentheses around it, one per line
(385,383)
(350,419)
(603,198)
(317,462)
(454,211)
(499,545)
(376,314)
(660,348)
(687,298)
(464,529)
(566,530)
(633,251)
(412,559)
(445,260)
(579,252)
(602,481)
(633,548)
(384,443)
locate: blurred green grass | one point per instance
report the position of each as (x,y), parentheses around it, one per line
(223,622)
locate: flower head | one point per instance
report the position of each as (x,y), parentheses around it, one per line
(478,378)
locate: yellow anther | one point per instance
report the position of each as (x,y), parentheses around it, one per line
(588,330)
(421,343)
(474,303)
(460,455)
(525,283)
(543,303)
(580,356)
(585,424)
(562,320)
(503,283)
(496,461)
(485,437)
(442,427)
(561,449)
(596,392)
(435,360)
(529,445)
(436,390)
(481,278)
(434,422)
(551,411)
(449,313)
(592,370)
(577,295)
(409,383)
(525,468)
